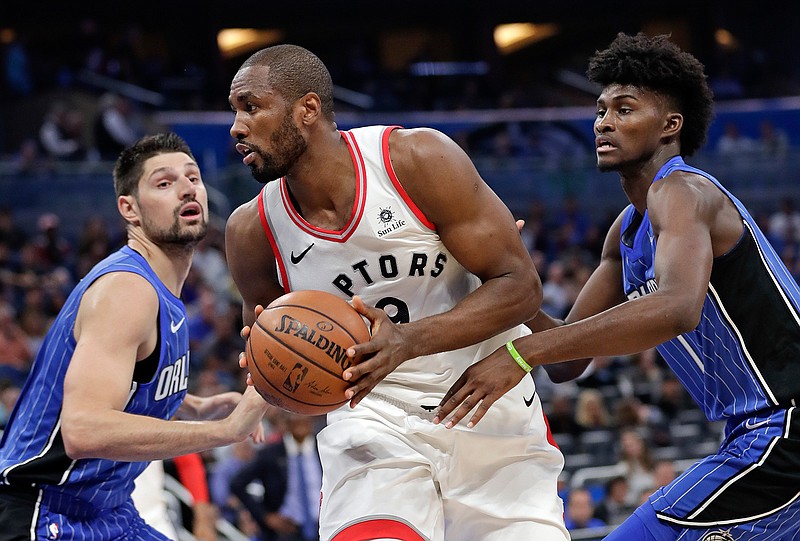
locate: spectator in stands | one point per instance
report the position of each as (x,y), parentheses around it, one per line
(535,232)
(15,352)
(664,472)
(644,374)
(571,222)
(291,476)
(52,246)
(16,63)
(61,135)
(636,461)
(115,126)
(228,463)
(555,293)
(560,415)
(733,144)
(580,511)
(591,411)
(9,392)
(673,399)
(783,227)
(209,260)
(95,242)
(615,507)
(631,412)
(10,232)
(149,496)
(773,142)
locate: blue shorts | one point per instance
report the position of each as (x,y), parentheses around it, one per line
(749,489)
(22,513)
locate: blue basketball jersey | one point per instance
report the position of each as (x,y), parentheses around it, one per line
(32,452)
(744,356)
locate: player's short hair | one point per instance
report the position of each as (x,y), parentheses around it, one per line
(130,165)
(657,64)
(294,72)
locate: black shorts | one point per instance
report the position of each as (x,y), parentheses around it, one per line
(16,516)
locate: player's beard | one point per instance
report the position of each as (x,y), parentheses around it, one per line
(289,145)
(178,235)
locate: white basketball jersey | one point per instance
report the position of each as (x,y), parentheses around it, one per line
(388,253)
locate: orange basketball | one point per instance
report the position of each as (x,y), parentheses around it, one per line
(296,351)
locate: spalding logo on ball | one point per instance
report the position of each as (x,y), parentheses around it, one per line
(297,351)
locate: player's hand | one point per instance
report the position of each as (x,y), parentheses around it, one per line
(245,333)
(481,384)
(373,360)
(245,420)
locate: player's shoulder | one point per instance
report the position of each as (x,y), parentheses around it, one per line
(685,185)
(119,283)
(419,146)
(243,217)
(417,136)
(120,294)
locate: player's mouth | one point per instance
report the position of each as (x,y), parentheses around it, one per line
(248,153)
(191,211)
(603,145)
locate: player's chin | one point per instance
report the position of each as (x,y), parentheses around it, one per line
(605,165)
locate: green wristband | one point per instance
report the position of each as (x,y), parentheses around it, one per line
(517,357)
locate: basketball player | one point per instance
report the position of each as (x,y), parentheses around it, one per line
(399,221)
(701,283)
(113,369)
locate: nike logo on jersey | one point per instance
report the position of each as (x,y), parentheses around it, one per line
(297,258)
(750,426)
(529,402)
(428,408)
(175,326)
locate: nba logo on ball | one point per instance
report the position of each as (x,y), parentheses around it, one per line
(295,377)
(297,351)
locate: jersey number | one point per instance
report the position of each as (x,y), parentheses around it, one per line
(396,309)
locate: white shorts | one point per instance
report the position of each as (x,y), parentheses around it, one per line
(390,473)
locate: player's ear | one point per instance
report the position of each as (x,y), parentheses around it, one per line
(126,204)
(311,107)
(673,125)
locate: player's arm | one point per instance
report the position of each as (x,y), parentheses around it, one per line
(479,232)
(682,216)
(99,379)
(602,291)
(251,260)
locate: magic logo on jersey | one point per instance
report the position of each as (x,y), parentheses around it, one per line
(173,378)
(385,219)
(649,286)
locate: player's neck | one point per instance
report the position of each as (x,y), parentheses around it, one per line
(171,263)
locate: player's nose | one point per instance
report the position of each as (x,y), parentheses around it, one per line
(238,129)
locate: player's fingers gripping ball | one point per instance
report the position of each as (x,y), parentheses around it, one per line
(297,351)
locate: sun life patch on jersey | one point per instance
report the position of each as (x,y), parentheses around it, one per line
(386,219)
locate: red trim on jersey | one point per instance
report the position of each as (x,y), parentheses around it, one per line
(550,439)
(358,204)
(378,529)
(265,225)
(387,163)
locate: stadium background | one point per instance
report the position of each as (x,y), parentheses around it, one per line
(522,110)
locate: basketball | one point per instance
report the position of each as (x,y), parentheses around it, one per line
(296,351)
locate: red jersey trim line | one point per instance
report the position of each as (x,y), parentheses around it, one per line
(378,529)
(387,163)
(550,439)
(358,204)
(265,226)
